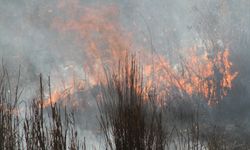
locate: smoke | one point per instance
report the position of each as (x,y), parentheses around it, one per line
(35,35)
(29,38)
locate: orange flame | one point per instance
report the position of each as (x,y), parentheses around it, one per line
(66,95)
(209,76)
(105,42)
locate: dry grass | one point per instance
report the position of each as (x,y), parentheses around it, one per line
(56,132)
(36,131)
(9,118)
(129,115)
(131,119)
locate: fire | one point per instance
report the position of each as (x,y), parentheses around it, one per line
(100,35)
(66,95)
(208,76)
(104,42)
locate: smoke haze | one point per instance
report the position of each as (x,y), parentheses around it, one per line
(54,37)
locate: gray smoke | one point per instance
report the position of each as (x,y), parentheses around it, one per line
(28,38)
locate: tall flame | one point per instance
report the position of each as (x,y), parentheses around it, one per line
(208,76)
(105,42)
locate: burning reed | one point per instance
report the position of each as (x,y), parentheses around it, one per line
(132,115)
